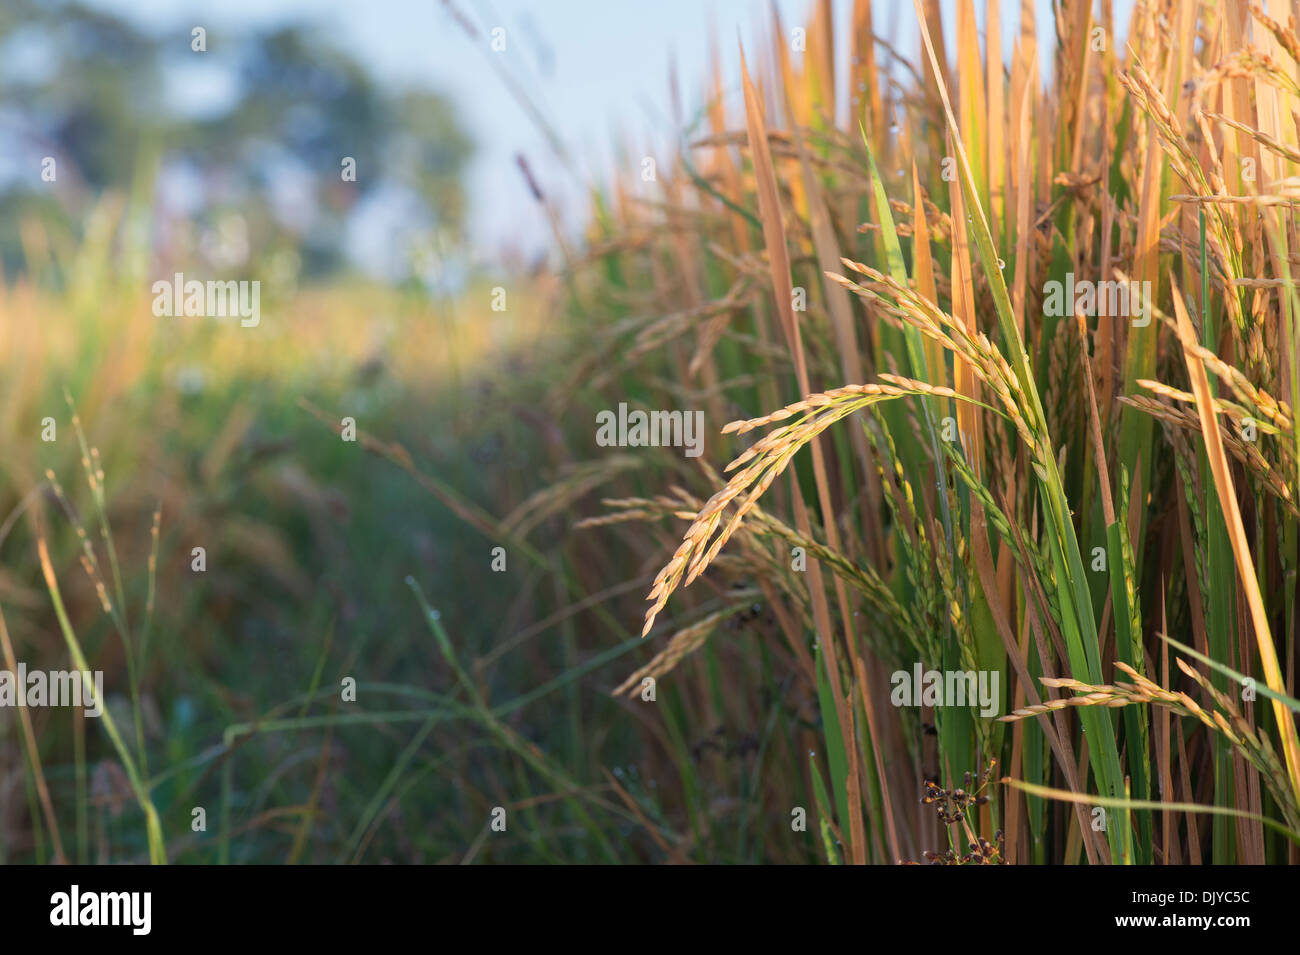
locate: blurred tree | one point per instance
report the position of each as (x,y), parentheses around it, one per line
(108,100)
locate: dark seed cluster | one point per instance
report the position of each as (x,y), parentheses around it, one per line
(953,807)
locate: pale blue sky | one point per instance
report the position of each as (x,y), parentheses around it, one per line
(597,69)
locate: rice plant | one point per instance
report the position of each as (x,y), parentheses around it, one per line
(1009,366)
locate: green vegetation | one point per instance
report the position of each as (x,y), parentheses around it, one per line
(846,270)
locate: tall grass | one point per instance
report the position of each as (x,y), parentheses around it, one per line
(1099,507)
(222,686)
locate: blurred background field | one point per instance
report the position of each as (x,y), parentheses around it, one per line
(308,539)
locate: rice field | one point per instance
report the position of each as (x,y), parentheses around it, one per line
(1013,367)
(986,553)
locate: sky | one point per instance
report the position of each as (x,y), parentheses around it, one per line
(598,70)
